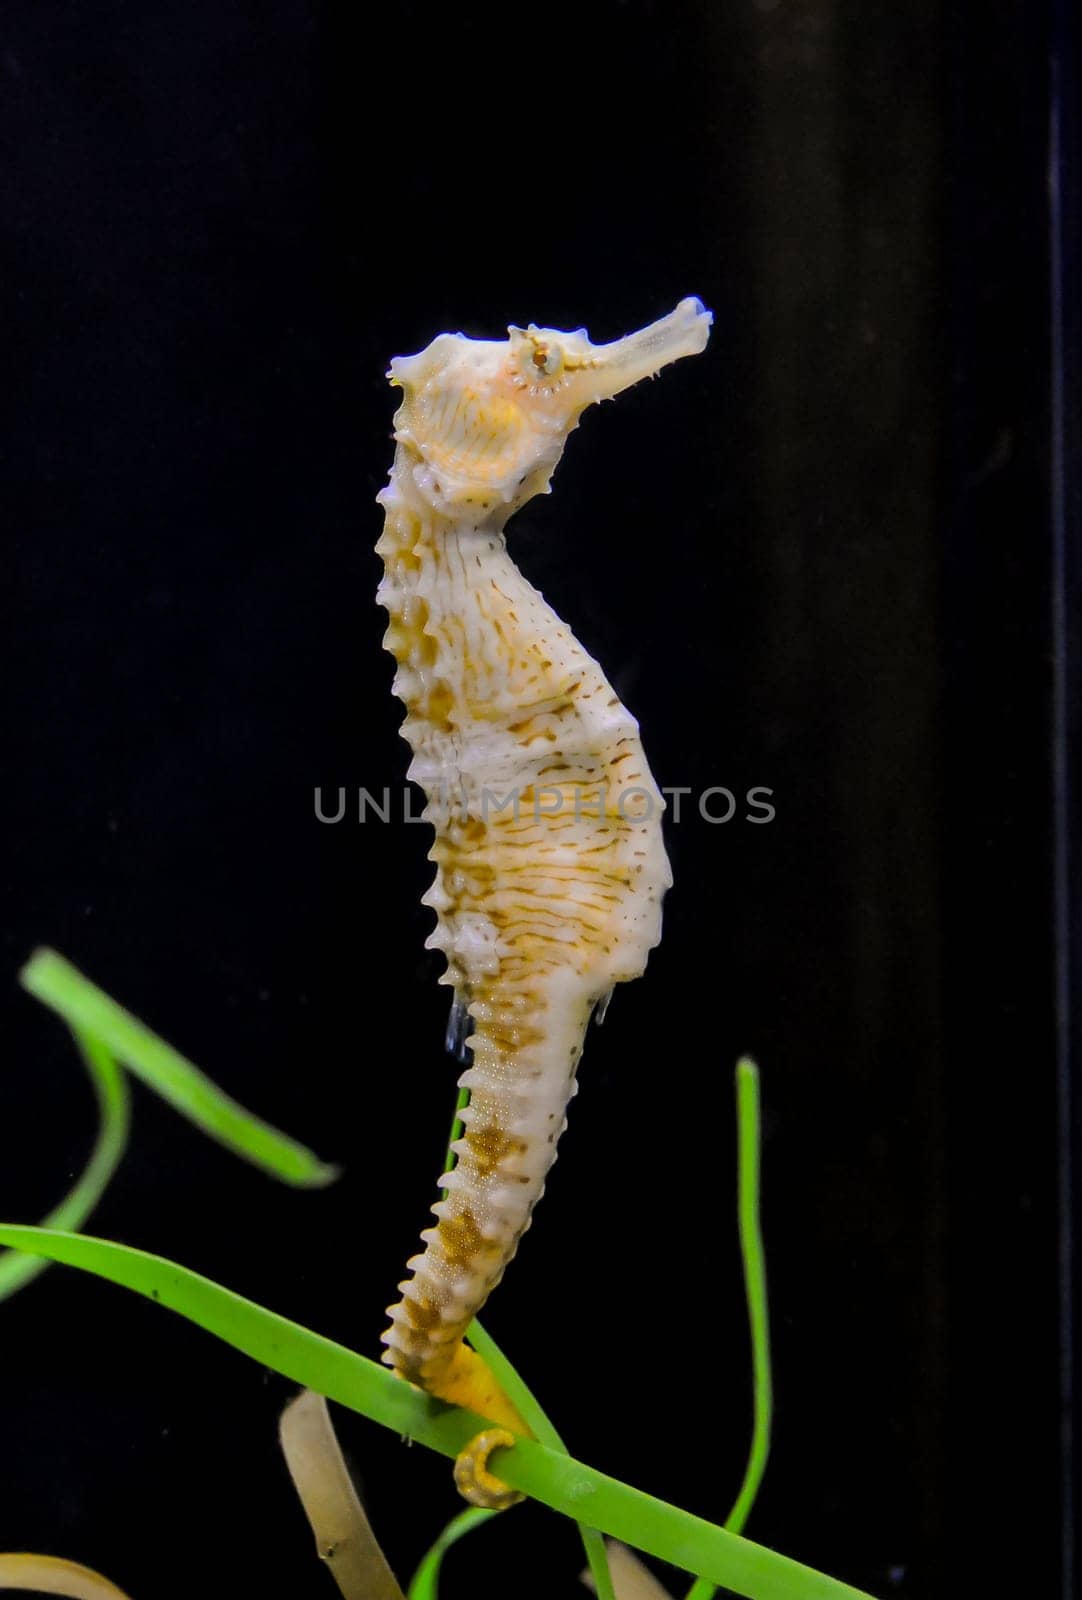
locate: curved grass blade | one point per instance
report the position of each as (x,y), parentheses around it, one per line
(344,1537)
(57,984)
(424,1584)
(114,1117)
(544,1432)
(51,1575)
(749,1138)
(632,1578)
(558,1481)
(749,1148)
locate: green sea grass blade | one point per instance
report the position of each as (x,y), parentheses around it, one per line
(754,1259)
(749,1148)
(523,1400)
(631,1577)
(114,1116)
(425,1582)
(59,985)
(558,1481)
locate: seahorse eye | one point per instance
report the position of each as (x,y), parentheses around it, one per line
(546,360)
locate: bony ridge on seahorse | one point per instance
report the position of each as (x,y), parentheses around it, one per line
(550,866)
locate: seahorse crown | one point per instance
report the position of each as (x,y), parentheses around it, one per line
(486,420)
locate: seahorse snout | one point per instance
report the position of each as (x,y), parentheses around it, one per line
(616,366)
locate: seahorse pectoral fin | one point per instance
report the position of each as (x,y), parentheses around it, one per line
(458,1027)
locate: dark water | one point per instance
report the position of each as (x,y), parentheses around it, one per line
(832,557)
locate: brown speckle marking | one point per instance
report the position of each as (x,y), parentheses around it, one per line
(461,1238)
(440,704)
(423,1314)
(489,1146)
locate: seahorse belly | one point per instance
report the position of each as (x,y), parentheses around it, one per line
(550,875)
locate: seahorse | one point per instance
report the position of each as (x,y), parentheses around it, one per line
(550,865)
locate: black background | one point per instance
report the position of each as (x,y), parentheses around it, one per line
(816,559)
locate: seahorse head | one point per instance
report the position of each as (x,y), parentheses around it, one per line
(486,420)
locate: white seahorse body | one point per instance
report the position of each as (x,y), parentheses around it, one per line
(550,862)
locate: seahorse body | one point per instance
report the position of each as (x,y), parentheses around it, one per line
(550,867)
